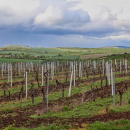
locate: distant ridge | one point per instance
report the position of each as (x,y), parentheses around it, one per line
(23,46)
(123,47)
(16,46)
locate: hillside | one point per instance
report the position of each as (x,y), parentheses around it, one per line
(42,53)
(16,46)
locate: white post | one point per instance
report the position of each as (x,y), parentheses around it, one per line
(112,80)
(47,90)
(11,75)
(45,67)
(29,67)
(53,68)
(79,69)
(19,69)
(114,90)
(42,75)
(76,66)
(115,63)
(70,66)
(24,71)
(109,72)
(74,73)
(126,65)
(120,66)
(103,65)
(70,83)
(26,85)
(2,70)
(8,72)
(5,67)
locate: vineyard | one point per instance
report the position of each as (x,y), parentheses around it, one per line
(64,94)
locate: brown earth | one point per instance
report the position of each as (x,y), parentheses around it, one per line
(22,118)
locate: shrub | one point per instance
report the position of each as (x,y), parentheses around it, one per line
(115,110)
(66,108)
(6,110)
(112,111)
(129,101)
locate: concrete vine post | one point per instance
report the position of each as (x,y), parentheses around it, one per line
(112,80)
(2,70)
(8,72)
(42,75)
(47,90)
(120,66)
(74,73)
(114,90)
(24,71)
(26,85)
(11,75)
(70,83)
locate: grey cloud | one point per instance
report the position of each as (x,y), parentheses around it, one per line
(72,22)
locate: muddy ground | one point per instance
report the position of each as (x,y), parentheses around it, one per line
(22,115)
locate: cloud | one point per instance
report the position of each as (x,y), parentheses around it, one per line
(91,19)
(13,12)
(119,37)
(51,16)
(61,16)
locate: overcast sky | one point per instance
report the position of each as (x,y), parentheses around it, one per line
(65,23)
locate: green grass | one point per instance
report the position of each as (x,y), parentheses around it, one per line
(118,56)
(18,88)
(6,60)
(42,49)
(88,108)
(5,110)
(50,55)
(111,125)
(13,52)
(41,127)
(14,90)
(37,100)
(53,96)
(25,52)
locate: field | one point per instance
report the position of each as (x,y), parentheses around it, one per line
(65,94)
(94,56)
(5,60)
(19,52)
